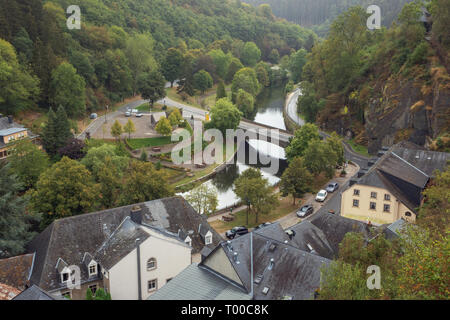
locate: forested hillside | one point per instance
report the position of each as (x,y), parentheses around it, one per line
(45,64)
(383,86)
(318,14)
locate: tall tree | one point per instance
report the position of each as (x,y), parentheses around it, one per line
(152,86)
(144,183)
(220,92)
(300,141)
(224,115)
(255,191)
(68,89)
(116,130)
(172,65)
(203,199)
(247,80)
(164,127)
(203,81)
(296,179)
(245,103)
(320,157)
(234,66)
(15,221)
(65,189)
(250,54)
(28,162)
(129,128)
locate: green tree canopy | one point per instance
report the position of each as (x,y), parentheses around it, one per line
(247,80)
(203,199)
(202,81)
(245,103)
(164,127)
(172,65)
(225,115)
(221,92)
(250,54)
(152,86)
(129,128)
(65,189)
(116,129)
(68,90)
(296,179)
(300,141)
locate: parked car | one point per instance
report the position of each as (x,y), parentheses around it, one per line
(332,187)
(262,225)
(138,115)
(236,231)
(305,211)
(321,196)
(128,114)
(93,116)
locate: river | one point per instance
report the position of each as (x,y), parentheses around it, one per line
(270,104)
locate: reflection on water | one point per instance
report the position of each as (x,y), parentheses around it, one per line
(270,104)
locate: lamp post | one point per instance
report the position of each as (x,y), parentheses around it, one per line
(107,107)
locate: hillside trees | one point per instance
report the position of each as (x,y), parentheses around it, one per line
(172,65)
(151,86)
(224,115)
(57,131)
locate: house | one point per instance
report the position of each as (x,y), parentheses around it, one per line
(261,265)
(130,251)
(391,188)
(16,271)
(156,117)
(10,132)
(36,293)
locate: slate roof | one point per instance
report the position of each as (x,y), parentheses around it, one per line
(36,293)
(4,123)
(426,161)
(16,271)
(308,234)
(295,273)
(157,116)
(8,292)
(335,227)
(197,283)
(393,230)
(7,132)
(71,238)
(7,128)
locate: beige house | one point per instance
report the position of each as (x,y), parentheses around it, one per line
(391,189)
(11,132)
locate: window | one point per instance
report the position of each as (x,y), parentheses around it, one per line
(151,264)
(373,195)
(387,197)
(208,239)
(356,192)
(65,276)
(152,285)
(356,203)
(408,214)
(373,206)
(387,208)
(93,269)
(93,288)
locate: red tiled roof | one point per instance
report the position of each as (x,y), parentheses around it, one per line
(8,292)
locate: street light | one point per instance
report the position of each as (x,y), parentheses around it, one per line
(107,107)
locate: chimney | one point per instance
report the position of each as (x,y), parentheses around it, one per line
(10,119)
(136,214)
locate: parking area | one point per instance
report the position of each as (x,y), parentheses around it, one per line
(142,125)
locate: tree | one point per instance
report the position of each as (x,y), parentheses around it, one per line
(220,92)
(255,192)
(247,80)
(109,177)
(262,75)
(129,128)
(175,117)
(144,183)
(172,65)
(274,56)
(164,127)
(144,156)
(296,63)
(116,130)
(245,103)
(65,189)
(97,157)
(221,61)
(224,115)
(74,149)
(296,179)
(28,162)
(307,103)
(250,54)
(15,221)
(139,52)
(335,144)
(18,88)
(202,81)
(57,131)
(300,141)
(203,199)
(320,157)
(234,66)
(68,89)
(152,86)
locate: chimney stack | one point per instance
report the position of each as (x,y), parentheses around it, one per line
(10,119)
(136,214)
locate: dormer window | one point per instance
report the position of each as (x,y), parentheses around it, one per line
(208,238)
(188,241)
(92,269)
(65,276)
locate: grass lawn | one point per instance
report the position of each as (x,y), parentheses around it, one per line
(362,150)
(284,208)
(146,107)
(149,142)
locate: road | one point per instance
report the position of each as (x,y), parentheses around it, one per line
(291,110)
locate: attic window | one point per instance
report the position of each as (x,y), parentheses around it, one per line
(265,290)
(64,276)
(93,269)
(208,239)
